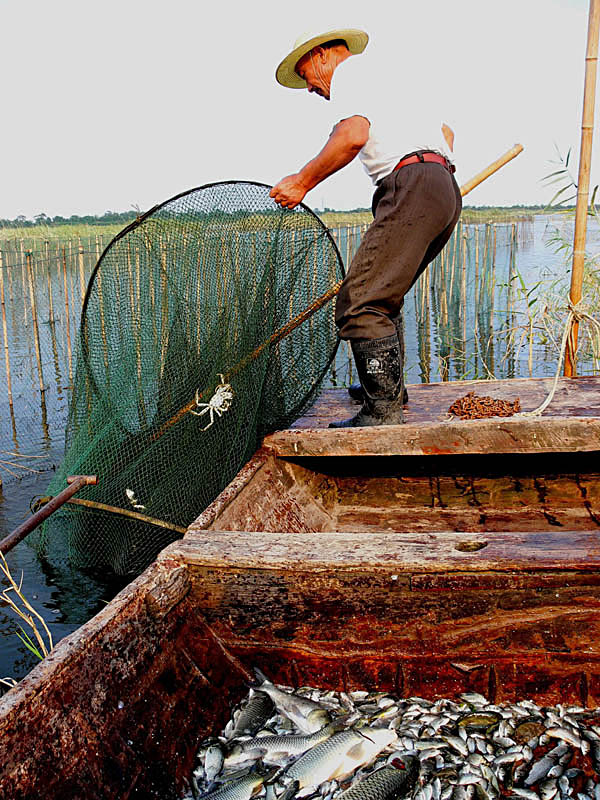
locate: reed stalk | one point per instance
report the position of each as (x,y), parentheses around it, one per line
(15,599)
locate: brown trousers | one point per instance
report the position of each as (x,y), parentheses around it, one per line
(416,209)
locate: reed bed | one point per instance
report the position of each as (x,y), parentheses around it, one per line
(470,315)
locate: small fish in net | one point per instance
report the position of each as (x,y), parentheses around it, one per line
(193,345)
(473,406)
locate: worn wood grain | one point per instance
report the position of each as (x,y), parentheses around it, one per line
(401,611)
(394,552)
(364,495)
(510,435)
(429,402)
(571,422)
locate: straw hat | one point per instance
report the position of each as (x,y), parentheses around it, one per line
(286,73)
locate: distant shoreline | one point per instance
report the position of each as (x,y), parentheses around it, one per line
(44,227)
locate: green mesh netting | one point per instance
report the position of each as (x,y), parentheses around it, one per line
(190,292)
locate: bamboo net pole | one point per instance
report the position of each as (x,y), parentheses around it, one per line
(583,182)
(320,302)
(81,272)
(67,317)
(493,167)
(36,334)
(5,334)
(49,276)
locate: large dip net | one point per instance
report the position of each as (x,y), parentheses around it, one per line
(186,358)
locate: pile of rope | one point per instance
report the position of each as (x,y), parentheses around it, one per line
(472,406)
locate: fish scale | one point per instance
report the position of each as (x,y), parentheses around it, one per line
(386,783)
(339,756)
(518,750)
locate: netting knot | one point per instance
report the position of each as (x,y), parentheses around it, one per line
(218,404)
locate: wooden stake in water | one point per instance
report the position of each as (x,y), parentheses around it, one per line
(48,272)
(67,317)
(81,272)
(5,334)
(583,182)
(36,334)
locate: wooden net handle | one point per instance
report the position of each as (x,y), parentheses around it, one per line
(324,298)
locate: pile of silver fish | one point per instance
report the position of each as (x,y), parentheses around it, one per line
(285,743)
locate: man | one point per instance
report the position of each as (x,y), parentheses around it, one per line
(416,204)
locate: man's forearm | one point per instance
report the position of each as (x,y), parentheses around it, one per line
(345,142)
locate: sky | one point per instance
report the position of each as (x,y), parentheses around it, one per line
(122,104)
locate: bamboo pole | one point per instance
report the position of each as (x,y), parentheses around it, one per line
(318,303)
(124,512)
(583,181)
(493,167)
(49,275)
(67,317)
(5,334)
(81,272)
(36,334)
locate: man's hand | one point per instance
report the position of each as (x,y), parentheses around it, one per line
(289,191)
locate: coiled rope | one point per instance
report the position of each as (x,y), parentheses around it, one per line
(576,314)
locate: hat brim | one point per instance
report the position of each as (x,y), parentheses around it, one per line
(286,73)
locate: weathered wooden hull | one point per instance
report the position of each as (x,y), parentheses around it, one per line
(422,575)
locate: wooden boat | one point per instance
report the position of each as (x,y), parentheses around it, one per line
(425,559)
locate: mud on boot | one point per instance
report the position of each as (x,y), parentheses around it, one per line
(356,390)
(379,364)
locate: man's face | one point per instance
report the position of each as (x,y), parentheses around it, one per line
(316,69)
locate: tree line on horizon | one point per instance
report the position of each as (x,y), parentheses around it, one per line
(123,217)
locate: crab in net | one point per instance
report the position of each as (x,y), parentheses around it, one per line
(218,404)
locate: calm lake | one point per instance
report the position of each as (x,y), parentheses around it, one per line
(474,314)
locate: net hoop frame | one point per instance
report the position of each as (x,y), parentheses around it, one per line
(138,221)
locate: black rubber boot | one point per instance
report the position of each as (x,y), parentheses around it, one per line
(379,364)
(355,390)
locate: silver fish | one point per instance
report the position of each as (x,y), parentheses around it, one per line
(241,789)
(213,762)
(275,749)
(548,789)
(458,744)
(306,714)
(339,756)
(529,794)
(564,735)
(394,780)
(253,715)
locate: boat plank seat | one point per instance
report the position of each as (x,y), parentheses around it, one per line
(571,422)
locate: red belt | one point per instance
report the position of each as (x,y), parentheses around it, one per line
(418,158)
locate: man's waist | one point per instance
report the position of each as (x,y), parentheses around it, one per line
(424,157)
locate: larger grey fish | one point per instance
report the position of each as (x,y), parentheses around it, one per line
(339,756)
(241,789)
(307,715)
(540,769)
(276,749)
(253,715)
(387,783)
